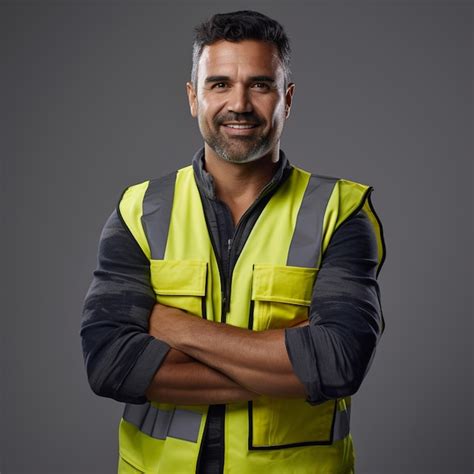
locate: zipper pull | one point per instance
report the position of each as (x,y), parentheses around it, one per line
(229,245)
(224,307)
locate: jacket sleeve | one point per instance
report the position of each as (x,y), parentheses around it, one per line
(121,358)
(333,353)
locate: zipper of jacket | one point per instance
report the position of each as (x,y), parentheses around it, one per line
(226,277)
(219,266)
(233,243)
(226,292)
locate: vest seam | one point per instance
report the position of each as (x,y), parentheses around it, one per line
(366,194)
(384,250)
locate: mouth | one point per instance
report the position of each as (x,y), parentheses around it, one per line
(239,128)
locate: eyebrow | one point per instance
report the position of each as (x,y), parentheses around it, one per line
(210,79)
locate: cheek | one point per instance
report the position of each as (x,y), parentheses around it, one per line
(207,113)
(279,116)
(208,106)
(275,109)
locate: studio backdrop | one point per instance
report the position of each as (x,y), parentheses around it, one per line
(93,100)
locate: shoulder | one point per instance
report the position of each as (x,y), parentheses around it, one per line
(349,208)
(351,218)
(144,198)
(343,187)
(132,197)
(344,197)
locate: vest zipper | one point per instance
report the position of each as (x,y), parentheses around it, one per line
(226,298)
(232,244)
(221,270)
(226,277)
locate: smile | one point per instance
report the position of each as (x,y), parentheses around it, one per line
(239,126)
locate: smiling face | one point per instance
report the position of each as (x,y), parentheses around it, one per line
(241,103)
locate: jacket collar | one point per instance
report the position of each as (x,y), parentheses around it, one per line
(206,183)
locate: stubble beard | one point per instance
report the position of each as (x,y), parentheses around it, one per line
(240,149)
(243,149)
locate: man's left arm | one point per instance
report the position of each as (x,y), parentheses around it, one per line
(327,358)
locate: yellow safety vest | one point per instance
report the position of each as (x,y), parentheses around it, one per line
(271,288)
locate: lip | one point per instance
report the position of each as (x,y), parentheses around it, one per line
(239,131)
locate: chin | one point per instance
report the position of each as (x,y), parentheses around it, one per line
(242,157)
(241,161)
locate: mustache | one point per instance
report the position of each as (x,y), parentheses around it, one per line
(233,117)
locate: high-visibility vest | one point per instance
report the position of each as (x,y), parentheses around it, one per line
(271,287)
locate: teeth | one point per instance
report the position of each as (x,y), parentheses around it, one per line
(239,126)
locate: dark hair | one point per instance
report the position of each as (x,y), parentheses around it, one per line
(239,26)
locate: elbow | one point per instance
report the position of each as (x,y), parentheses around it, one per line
(341,370)
(333,363)
(107,368)
(104,385)
(99,388)
(98,376)
(120,365)
(94,352)
(348,387)
(349,372)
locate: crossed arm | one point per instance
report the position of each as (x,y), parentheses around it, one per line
(212,363)
(329,359)
(135,349)
(125,338)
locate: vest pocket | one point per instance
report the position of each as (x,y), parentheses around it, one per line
(279,423)
(180,284)
(281,296)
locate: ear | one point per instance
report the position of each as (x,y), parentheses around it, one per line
(289,97)
(192,99)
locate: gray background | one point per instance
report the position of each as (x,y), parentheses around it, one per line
(94,100)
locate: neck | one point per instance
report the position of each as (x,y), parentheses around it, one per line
(240,182)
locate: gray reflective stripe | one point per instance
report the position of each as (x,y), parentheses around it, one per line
(149,422)
(185,425)
(305,248)
(156,216)
(342,424)
(135,414)
(160,424)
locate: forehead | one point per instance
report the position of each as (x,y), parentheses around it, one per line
(227,57)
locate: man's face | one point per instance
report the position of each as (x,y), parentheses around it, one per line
(240,103)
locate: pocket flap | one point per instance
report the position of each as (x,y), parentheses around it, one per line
(283,284)
(178,277)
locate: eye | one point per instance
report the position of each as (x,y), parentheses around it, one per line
(261,85)
(219,85)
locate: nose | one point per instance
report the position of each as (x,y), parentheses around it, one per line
(239,100)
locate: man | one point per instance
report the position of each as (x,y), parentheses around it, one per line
(235,307)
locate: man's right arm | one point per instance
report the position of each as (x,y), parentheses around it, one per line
(123,361)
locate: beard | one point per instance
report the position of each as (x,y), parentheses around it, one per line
(236,149)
